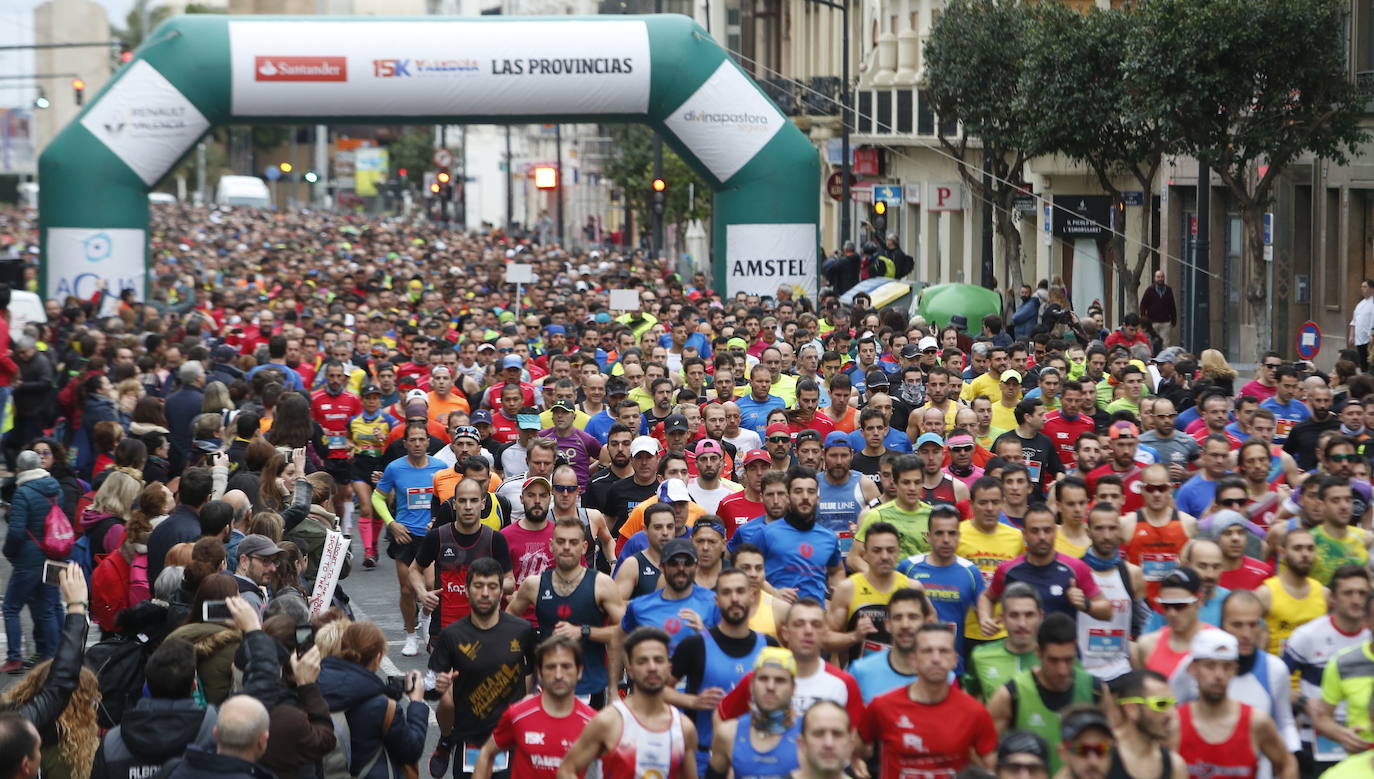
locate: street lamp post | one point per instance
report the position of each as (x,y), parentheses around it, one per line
(845,96)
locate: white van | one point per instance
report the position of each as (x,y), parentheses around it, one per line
(243,191)
(162,198)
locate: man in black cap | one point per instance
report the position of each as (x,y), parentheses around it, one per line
(257,560)
(1022,753)
(676,431)
(600,422)
(579,448)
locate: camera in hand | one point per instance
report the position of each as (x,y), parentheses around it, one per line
(397,686)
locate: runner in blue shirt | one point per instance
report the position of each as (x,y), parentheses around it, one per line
(680,606)
(1288,410)
(754,406)
(952,583)
(800,554)
(409,484)
(887,669)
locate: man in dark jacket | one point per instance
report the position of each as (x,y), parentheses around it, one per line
(35,398)
(183,524)
(1157,306)
(160,727)
(843,272)
(241,739)
(36,494)
(183,406)
(222,367)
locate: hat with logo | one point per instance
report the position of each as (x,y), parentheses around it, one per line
(1206,645)
(257,545)
(836,438)
(778,428)
(877,378)
(417,394)
(481,417)
(1123,429)
(678,547)
(675,423)
(673,490)
(929,343)
(371,389)
(806,435)
(563,405)
(708,524)
(1183,578)
(911,352)
(486,347)
(756,456)
(1010,375)
(466,431)
(777,657)
(616,386)
(512,361)
(643,445)
(930,438)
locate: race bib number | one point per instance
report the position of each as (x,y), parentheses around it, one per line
(418,498)
(1157,566)
(336,442)
(1106,643)
(1325,750)
(874,646)
(470,753)
(1283,427)
(846,541)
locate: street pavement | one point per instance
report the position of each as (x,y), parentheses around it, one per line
(375,597)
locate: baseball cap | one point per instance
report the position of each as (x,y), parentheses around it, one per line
(929,343)
(736,343)
(1183,578)
(959,322)
(1010,375)
(512,361)
(1206,645)
(1123,429)
(877,378)
(930,438)
(675,423)
(528,419)
(1168,355)
(678,547)
(223,353)
(755,456)
(371,389)
(532,481)
(486,346)
(555,330)
(563,405)
(643,445)
(1081,721)
(481,417)
(836,438)
(778,428)
(466,431)
(1219,521)
(672,491)
(911,352)
(708,524)
(709,446)
(777,656)
(806,435)
(417,394)
(1022,742)
(257,545)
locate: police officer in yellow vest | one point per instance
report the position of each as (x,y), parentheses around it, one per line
(1033,698)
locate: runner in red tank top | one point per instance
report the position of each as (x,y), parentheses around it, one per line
(1154,535)
(641,735)
(1219,736)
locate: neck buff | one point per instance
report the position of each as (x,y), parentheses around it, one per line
(1101,563)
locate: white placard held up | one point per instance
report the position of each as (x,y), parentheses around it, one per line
(519,273)
(624,300)
(327,577)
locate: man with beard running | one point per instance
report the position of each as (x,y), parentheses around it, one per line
(762,743)
(575,602)
(1104,644)
(714,661)
(451,549)
(478,668)
(566,503)
(539,730)
(1292,598)
(1218,735)
(798,553)
(529,536)
(1138,748)
(680,607)
(641,735)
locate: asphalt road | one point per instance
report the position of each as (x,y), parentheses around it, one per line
(375,597)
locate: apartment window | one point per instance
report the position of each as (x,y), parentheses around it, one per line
(925,117)
(864,116)
(884,111)
(905,98)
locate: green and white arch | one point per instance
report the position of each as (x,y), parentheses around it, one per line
(199,71)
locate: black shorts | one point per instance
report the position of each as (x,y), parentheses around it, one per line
(403,552)
(340,469)
(363,466)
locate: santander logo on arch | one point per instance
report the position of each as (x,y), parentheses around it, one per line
(300,68)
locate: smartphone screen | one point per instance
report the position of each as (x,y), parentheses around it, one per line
(214,611)
(52,572)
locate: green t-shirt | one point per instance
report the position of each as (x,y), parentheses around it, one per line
(913,527)
(991,665)
(1359,766)
(1349,678)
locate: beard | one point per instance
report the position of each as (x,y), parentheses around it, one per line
(536,515)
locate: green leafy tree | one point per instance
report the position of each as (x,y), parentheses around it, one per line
(631,167)
(1249,87)
(974,62)
(1079,101)
(413,150)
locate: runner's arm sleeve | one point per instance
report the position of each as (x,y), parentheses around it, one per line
(379,506)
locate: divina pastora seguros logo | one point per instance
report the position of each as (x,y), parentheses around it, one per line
(740,120)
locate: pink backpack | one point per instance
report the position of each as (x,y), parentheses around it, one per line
(58,538)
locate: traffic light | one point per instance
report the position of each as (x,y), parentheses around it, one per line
(660,195)
(41,101)
(434,188)
(401,172)
(285,167)
(126,53)
(78,89)
(879,220)
(546,177)
(311,176)
(443,177)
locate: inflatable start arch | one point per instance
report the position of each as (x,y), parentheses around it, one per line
(199,71)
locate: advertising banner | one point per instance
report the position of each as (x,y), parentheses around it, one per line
(16,141)
(726,121)
(327,578)
(81,259)
(146,122)
(1082,216)
(369,167)
(762,257)
(430,67)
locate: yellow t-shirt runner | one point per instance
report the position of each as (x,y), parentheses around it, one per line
(987,551)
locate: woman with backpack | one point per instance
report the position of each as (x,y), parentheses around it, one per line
(36,495)
(120,580)
(52,457)
(102,522)
(384,733)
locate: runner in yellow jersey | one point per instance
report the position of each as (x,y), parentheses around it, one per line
(367,433)
(1292,598)
(858,609)
(987,542)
